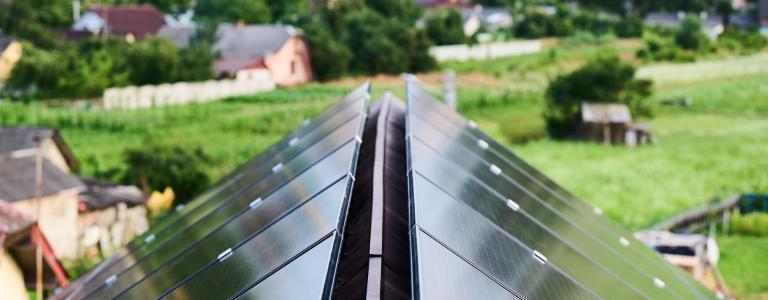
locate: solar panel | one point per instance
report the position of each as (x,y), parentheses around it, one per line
(387,202)
(283,203)
(473,199)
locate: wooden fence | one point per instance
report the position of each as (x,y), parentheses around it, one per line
(484,51)
(132,97)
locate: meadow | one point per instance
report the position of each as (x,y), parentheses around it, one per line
(713,149)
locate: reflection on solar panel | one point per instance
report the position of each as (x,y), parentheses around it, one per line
(485,220)
(386,203)
(283,204)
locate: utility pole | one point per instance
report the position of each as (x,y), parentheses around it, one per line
(38,204)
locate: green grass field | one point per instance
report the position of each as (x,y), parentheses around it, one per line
(717,147)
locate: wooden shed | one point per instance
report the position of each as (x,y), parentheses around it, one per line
(611,123)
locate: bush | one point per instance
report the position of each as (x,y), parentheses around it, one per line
(445,27)
(750,224)
(155,167)
(691,37)
(538,25)
(606,79)
(662,48)
(741,42)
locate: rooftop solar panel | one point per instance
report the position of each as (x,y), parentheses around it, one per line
(289,200)
(387,202)
(511,223)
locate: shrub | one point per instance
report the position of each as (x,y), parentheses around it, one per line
(445,27)
(741,42)
(691,37)
(538,25)
(606,79)
(662,48)
(750,224)
(155,167)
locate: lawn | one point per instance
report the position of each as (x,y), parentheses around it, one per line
(229,131)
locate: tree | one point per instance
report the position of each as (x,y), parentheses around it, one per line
(35,20)
(174,7)
(691,36)
(724,8)
(288,10)
(155,167)
(196,63)
(606,79)
(330,58)
(153,60)
(446,27)
(248,11)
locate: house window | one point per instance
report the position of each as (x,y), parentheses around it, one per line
(293,67)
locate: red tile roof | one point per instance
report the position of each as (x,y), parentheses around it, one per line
(139,20)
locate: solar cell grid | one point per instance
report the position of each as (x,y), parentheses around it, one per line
(555,219)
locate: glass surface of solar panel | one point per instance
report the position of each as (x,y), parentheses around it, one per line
(459,163)
(221,210)
(323,155)
(538,186)
(330,115)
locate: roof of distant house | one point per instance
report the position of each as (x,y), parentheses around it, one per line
(242,47)
(12,219)
(101,194)
(179,35)
(4,42)
(605,113)
(251,41)
(18,177)
(139,20)
(13,139)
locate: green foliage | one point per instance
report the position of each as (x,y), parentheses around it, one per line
(94,64)
(171,6)
(663,48)
(744,265)
(750,224)
(691,37)
(445,27)
(606,79)
(643,7)
(155,167)
(742,42)
(153,61)
(33,20)
(288,10)
(537,25)
(196,63)
(248,11)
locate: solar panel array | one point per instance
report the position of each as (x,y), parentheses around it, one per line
(386,202)
(276,220)
(486,225)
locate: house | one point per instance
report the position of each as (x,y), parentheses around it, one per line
(490,18)
(611,123)
(22,141)
(134,22)
(66,203)
(110,215)
(10,54)
(179,29)
(19,237)
(277,48)
(58,202)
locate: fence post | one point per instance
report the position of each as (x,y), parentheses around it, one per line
(449,83)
